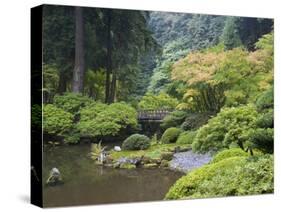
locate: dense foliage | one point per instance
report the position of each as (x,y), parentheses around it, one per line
(230,127)
(263,136)
(195,120)
(136,142)
(215,77)
(71,102)
(36,116)
(56,121)
(228,153)
(154,102)
(244,31)
(98,120)
(174,119)
(186,137)
(170,135)
(228,177)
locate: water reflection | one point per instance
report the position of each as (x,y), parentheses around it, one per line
(85,183)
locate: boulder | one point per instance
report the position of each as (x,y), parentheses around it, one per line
(146,160)
(127,166)
(167,156)
(150,165)
(164,163)
(117,148)
(109,165)
(177,149)
(155,160)
(108,159)
(185,149)
(116,165)
(54,177)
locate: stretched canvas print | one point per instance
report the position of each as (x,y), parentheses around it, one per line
(132,106)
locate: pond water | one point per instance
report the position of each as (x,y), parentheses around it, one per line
(85,183)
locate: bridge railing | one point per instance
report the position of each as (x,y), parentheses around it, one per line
(153,114)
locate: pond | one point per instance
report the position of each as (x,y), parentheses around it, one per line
(86,183)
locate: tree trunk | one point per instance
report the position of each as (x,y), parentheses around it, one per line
(109,59)
(62,83)
(113,86)
(79,67)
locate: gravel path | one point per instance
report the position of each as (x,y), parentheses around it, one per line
(186,161)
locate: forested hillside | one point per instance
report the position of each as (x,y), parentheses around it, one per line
(179,33)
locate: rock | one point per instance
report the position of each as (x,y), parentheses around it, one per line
(137,161)
(167,156)
(177,149)
(109,165)
(98,163)
(146,160)
(116,165)
(155,160)
(150,165)
(108,159)
(127,166)
(117,148)
(164,163)
(54,177)
(185,149)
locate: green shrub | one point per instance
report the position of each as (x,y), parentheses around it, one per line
(136,142)
(56,121)
(170,135)
(228,153)
(71,102)
(265,100)
(230,126)
(154,102)
(91,111)
(228,177)
(174,119)
(265,120)
(195,120)
(98,120)
(50,82)
(36,116)
(263,139)
(72,137)
(186,137)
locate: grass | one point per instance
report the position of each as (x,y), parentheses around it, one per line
(153,152)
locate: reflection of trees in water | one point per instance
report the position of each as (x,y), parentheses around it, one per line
(87,183)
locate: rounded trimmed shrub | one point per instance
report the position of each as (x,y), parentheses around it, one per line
(228,153)
(136,142)
(229,177)
(186,137)
(230,127)
(72,102)
(99,120)
(56,121)
(170,135)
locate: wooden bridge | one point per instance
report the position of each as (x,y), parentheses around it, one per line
(153,115)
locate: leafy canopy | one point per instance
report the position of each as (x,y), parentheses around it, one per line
(232,126)
(160,101)
(215,77)
(56,120)
(97,119)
